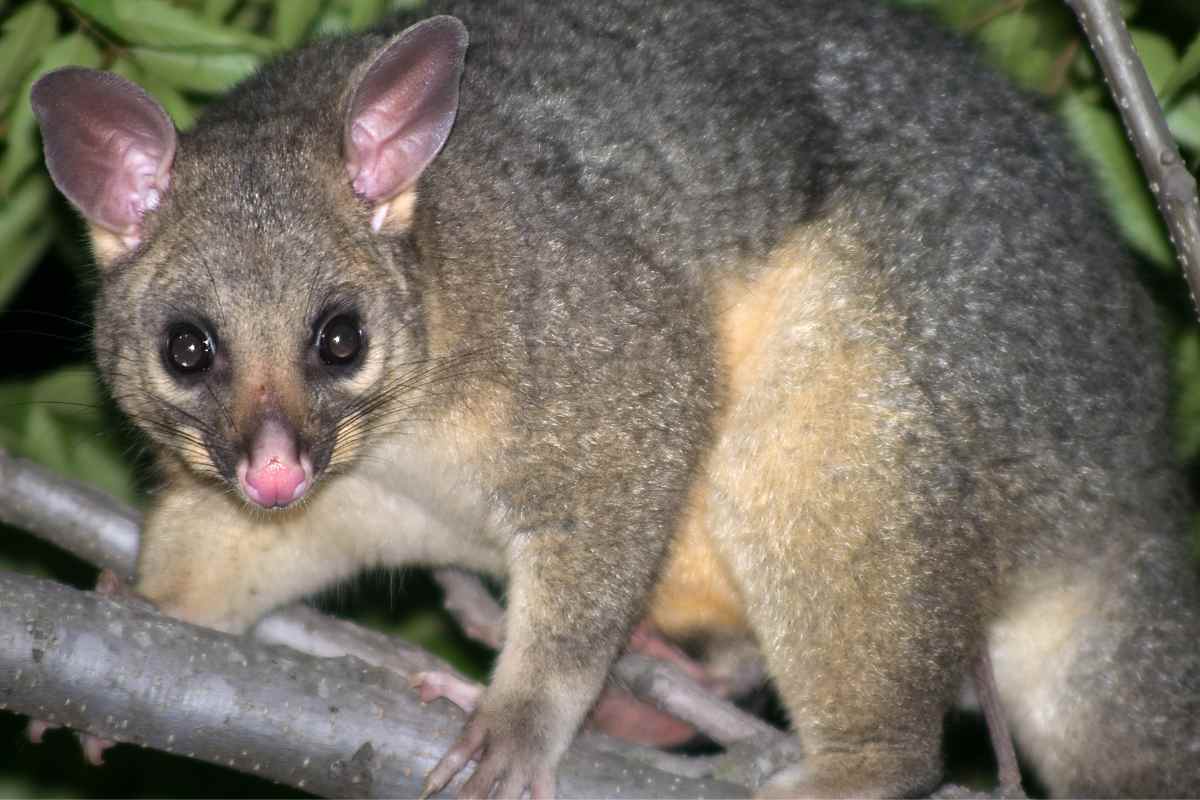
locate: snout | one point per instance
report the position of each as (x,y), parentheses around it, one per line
(275,471)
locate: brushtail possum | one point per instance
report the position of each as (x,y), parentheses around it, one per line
(793,310)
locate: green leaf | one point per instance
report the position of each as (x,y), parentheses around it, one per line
(22,151)
(1099,135)
(1187,403)
(293,20)
(1028,43)
(26,34)
(22,254)
(157,23)
(212,73)
(963,13)
(365,12)
(1127,8)
(1183,118)
(181,111)
(176,105)
(23,234)
(1157,54)
(63,421)
(218,10)
(1189,68)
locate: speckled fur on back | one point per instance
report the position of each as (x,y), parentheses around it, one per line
(801,287)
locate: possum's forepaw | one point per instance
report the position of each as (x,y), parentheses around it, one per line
(110,584)
(510,754)
(619,713)
(93,746)
(432,685)
(37,729)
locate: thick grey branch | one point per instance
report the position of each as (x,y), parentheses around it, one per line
(333,726)
(1173,186)
(101,529)
(128,675)
(80,519)
(104,531)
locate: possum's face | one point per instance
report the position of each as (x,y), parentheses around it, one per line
(260,344)
(259,313)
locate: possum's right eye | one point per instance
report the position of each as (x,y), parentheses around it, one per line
(189,348)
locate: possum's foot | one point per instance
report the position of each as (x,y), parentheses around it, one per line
(618,713)
(110,584)
(93,746)
(648,641)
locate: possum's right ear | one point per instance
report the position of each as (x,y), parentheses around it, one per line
(401,111)
(109,148)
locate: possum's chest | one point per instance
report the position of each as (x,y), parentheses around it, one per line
(406,503)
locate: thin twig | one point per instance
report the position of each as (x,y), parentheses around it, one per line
(1173,187)
(663,684)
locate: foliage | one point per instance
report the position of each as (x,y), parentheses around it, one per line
(186,51)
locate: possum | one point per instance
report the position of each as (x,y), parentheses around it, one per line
(783,320)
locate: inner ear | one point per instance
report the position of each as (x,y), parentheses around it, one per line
(108,146)
(402,108)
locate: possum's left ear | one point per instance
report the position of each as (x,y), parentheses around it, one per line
(402,109)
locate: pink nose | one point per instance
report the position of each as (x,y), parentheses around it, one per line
(275,473)
(276,483)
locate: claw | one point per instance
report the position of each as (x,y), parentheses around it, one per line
(450,765)
(468,747)
(94,748)
(544,786)
(36,729)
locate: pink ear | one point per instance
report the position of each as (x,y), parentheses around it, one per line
(108,145)
(401,111)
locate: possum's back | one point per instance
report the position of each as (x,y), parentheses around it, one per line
(701,135)
(626,127)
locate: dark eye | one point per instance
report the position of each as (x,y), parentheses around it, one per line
(340,340)
(189,349)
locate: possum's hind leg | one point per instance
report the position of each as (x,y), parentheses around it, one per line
(837,510)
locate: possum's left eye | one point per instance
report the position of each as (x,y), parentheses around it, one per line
(340,340)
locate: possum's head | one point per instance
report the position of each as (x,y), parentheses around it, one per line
(259,313)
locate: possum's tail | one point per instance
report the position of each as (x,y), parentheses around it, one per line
(1100,676)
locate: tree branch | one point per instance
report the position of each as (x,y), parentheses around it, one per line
(333,726)
(79,519)
(1173,187)
(185,689)
(99,529)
